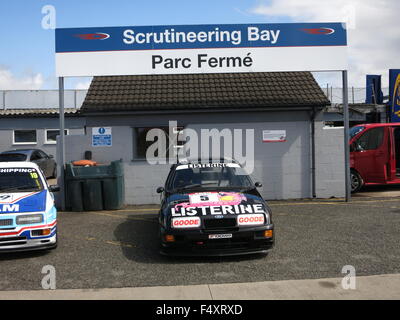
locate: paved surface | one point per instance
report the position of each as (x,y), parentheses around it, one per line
(315,239)
(379,191)
(370,287)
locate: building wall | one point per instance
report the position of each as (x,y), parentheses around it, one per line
(283,168)
(7,125)
(330,172)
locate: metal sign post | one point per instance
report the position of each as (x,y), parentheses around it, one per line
(61,153)
(346,136)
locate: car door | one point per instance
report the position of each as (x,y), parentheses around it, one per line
(48,163)
(371,155)
(37,158)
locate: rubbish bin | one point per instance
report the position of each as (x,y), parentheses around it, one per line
(95,188)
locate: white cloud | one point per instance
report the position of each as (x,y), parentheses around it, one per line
(8,81)
(373,31)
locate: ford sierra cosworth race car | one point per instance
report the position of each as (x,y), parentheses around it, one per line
(28,217)
(211,208)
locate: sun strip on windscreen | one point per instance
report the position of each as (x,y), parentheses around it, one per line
(207,165)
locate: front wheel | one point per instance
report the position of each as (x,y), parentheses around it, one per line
(356,181)
(54,175)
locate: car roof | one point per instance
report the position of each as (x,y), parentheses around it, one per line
(18,164)
(370,125)
(20,151)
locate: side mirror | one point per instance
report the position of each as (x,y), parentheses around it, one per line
(258,184)
(54,188)
(51,156)
(355,147)
(160,190)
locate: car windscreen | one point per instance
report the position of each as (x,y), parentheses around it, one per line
(8,157)
(19,180)
(355,130)
(205,176)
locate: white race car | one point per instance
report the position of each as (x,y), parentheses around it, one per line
(28,216)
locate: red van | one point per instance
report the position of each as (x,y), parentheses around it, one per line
(374,154)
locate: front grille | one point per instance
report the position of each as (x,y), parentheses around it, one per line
(219,223)
(9,241)
(6,222)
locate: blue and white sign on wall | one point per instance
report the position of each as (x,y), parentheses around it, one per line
(102,137)
(201,49)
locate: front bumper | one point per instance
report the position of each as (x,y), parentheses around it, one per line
(248,240)
(23,240)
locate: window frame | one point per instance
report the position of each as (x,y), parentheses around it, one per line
(176,130)
(368,133)
(53,142)
(25,143)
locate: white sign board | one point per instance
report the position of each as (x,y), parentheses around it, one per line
(181,49)
(101,137)
(274,135)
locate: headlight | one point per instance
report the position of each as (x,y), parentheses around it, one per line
(30,218)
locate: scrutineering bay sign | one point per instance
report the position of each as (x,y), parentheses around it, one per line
(200,49)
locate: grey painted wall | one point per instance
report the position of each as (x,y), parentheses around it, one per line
(283,168)
(7,125)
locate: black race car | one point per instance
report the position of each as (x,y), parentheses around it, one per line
(211,208)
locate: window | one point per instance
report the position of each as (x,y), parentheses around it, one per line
(35,156)
(231,175)
(355,130)
(24,137)
(51,135)
(19,180)
(371,139)
(142,144)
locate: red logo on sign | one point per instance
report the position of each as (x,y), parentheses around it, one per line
(319,31)
(93,36)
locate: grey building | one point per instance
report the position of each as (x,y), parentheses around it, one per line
(36,128)
(307,162)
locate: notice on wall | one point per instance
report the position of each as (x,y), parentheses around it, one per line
(101,137)
(274,135)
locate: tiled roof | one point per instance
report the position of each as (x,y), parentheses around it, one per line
(51,112)
(194,91)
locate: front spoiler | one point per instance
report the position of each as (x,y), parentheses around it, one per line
(31,245)
(243,242)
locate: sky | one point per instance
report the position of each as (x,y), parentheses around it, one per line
(27,59)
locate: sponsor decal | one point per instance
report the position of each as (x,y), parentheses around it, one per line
(31,202)
(15,170)
(250,219)
(186,222)
(218,210)
(5,197)
(7,208)
(207,165)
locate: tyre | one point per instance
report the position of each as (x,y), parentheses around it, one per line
(356,181)
(54,175)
